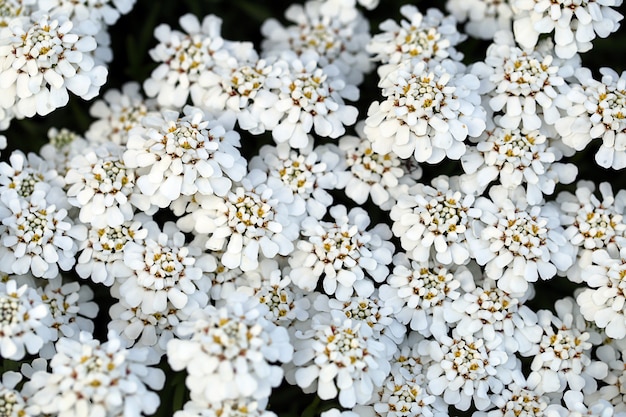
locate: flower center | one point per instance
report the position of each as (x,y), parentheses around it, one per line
(249,212)
(9,311)
(113,240)
(526,75)
(34,227)
(306,90)
(524,234)
(111,177)
(468,360)
(26,185)
(190,56)
(297,175)
(245,81)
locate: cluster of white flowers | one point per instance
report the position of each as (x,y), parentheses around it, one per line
(244,222)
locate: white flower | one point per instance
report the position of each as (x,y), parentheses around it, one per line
(100,185)
(24,321)
(310,97)
(307,172)
(183,56)
(564,358)
(240,407)
(434,219)
(604,302)
(373,311)
(430,108)
(425,37)
(575,23)
(517,400)
(152,330)
(420,292)
(335,29)
(36,236)
(117,113)
(346,256)
(182,155)
(12,402)
(526,86)
(102,252)
(518,242)
(252,218)
(592,223)
(63,144)
(41,60)
(163,269)
(597,112)
(71,307)
(483,18)
(90,378)
(27,173)
(487,312)
(516,157)
(382,177)
(404,392)
(338,357)
(467,368)
(99,11)
(577,405)
(242,88)
(11,9)
(236,348)
(274,289)
(614,387)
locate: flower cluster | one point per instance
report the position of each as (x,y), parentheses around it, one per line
(338,218)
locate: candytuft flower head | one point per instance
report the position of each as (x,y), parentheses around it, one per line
(87,376)
(238,348)
(42,59)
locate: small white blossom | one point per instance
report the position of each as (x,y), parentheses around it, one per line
(36,236)
(152,330)
(100,185)
(575,23)
(338,357)
(424,37)
(420,292)
(467,368)
(101,255)
(592,223)
(308,172)
(382,177)
(240,407)
(27,173)
(12,402)
(182,155)
(43,58)
(71,306)
(237,348)
(435,220)
(335,29)
(24,321)
(577,405)
(164,269)
(63,145)
(488,311)
(430,108)
(604,302)
(564,358)
(252,218)
(310,97)
(373,311)
(614,388)
(514,157)
(90,378)
(98,11)
(483,18)
(117,113)
(597,113)
(516,400)
(183,56)
(342,253)
(518,242)
(404,392)
(525,86)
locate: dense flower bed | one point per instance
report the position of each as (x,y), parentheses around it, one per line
(338,219)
